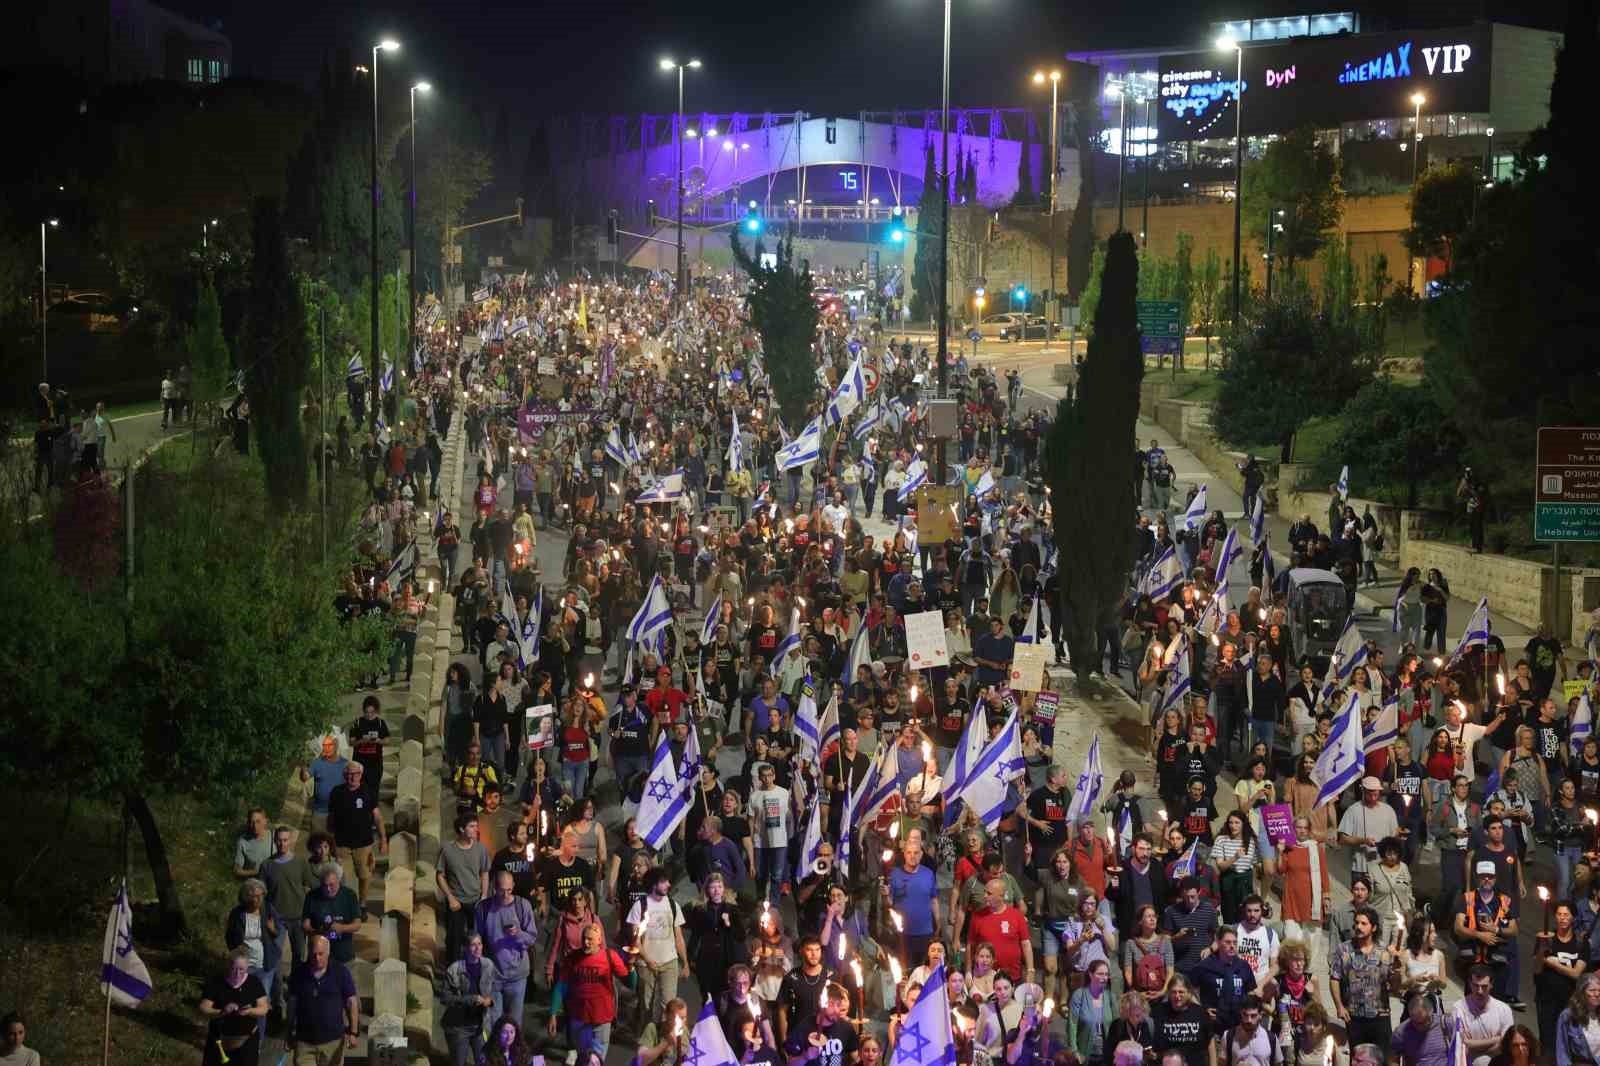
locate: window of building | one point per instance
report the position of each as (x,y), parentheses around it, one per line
(213,70)
(196,70)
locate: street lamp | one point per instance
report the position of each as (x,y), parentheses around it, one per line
(669,64)
(1226,43)
(1120,93)
(1039,78)
(1489,168)
(1417,100)
(205,235)
(411,274)
(44,298)
(385,45)
(944,238)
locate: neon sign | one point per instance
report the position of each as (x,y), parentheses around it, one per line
(1278,78)
(1395,63)
(1455,57)
(1190,94)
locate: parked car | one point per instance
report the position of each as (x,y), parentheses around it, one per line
(995,325)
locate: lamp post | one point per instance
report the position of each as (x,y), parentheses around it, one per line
(944,237)
(1273,226)
(205,234)
(1417,100)
(385,45)
(1039,78)
(1144,226)
(1117,90)
(1488,168)
(669,64)
(411,273)
(1225,44)
(44,298)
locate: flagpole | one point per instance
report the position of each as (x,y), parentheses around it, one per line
(105,1051)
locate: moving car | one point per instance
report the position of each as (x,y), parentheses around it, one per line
(1027,327)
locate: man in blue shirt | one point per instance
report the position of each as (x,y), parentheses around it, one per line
(1223,979)
(913,891)
(324,1009)
(765,705)
(326,773)
(993,651)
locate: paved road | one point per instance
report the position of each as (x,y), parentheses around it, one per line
(134,433)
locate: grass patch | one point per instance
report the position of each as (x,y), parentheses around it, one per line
(58,892)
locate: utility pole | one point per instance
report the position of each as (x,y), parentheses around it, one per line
(944,242)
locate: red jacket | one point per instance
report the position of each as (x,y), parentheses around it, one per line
(590,994)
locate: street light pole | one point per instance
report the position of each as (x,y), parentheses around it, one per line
(944,238)
(1225,44)
(411,273)
(1122,149)
(1144,226)
(44,299)
(1055,170)
(377,368)
(668,64)
(1417,100)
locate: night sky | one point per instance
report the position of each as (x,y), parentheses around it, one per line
(826,57)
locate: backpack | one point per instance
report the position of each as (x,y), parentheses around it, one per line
(1150,972)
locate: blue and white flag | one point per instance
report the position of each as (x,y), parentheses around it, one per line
(808,726)
(1164,575)
(916,477)
(925,1037)
(519,325)
(1258,520)
(802,449)
(787,644)
(708,628)
(402,567)
(480,294)
(123,975)
(881,783)
(1187,863)
(1341,763)
(810,843)
(1179,680)
(831,733)
(1455,1047)
(969,749)
(985,483)
(654,614)
(668,490)
(1582,724)
(1231,551)
(1344,484)
(1384,730)
(860,653)
(988,782)
(1195,516)
(708,1044)
(1269,570)
(847,397)
(664,801)
(1394,614)
(853,798)
(386,379)
(1086,793)
(1124,831)
(1349,652)
(625,455)
(869,422)
(1030,629)
(355,369)
(1477,633)
(1214,615)
(528,632)
(735,446)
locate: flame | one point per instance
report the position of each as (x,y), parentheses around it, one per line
(1049,1007)
(1500,682)
(894,830)
(888,856)
(1161,814)
(754,1003)
(544,823)
(894,969)
(1544,894)
(1327,1050)
(530,851)
(677,1027)
(927,748)
(855,968)
(899,922)
(588,681)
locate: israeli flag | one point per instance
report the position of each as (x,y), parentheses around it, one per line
(985,484)
(665,801)
(528,633)
(403,566)
(847,397)
(1164,576)
(1477,634)
(1195,516)
(925,1035)
(1258,520)
(1341,764)
(808,726)
(1124,831)
(735,446)
(480,294)
(668,490)
(1582,724)
(1231,551)
(1030,630)
(830,733)
(1187,864)
(1086,793)
(355,369)
(853,797)
(810,843)
(615,449)
(519,325)
(787,644)
(1269,569)
(1385,728)
(1179,680)
(869,423)
(881,783)
(802,449)
(988,782)
(1344,484)
(969,749)
(386,379)
(1349,652)
(1455,1047)
(499,332)
(916,477)
(654,614)
(708,628)
(123,975)
(860,654)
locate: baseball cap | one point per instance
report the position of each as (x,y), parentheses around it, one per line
(1485,867)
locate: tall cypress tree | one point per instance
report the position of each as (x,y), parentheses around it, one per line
(925,268)
(1087,457)
(276,357)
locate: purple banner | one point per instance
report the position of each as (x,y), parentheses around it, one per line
(533,421)
(1278,821)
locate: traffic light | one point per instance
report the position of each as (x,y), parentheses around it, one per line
(1020,294)
(752,219)
(897,232)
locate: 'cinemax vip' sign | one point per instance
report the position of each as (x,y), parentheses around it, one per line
(1447,58)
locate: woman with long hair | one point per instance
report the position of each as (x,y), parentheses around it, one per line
(1234,854)
(508,1046)
(1435,610)
(1439,763)
(1420,963)
(1578,1027)
(1518,1047)
(1524,761)
(455,725)
(1569,834)
(1053,904)
(1408,607)
(1091,1013)
(1148,979)
(1133,1022)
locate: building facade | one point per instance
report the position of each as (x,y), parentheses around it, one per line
(118,41)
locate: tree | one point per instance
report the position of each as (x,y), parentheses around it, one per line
(925,267)
(1287,362)
(450,177)
(1395,435)
(1081,246)
(1300,177)
(1087,457)
(785,315)
(276,359)
(1442,203)
(1207,298)
(1089,296)
(210,362)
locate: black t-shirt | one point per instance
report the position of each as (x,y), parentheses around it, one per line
(799,995)
(367,736)
(220,993)
(630,732)
(948,721)
(1047,807)
(560,881)
(1549,739)
(1553,987)
(1187,1031)
(839,1044)
(1197,818)
(493,713)
(523,870)
(350,817)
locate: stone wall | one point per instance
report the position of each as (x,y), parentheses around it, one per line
(1294,502)
(1190,422)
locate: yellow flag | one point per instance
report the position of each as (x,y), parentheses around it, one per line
(583,312)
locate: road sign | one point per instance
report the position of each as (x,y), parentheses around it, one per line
(1567,485)
(1160,327)
(869,376)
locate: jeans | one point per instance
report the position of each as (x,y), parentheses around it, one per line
(509,995)
(656,987)
(586,1037)
(771,871)
(457,925)
(466,1045)
(268,979)
(627,767)
(575,777)
(850,492)
(1265,731)
(494,749)
(1566,857)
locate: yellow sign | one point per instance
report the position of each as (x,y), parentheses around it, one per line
(1027,668)
(938,514)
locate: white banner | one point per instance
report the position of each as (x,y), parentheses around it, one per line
(925,640)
